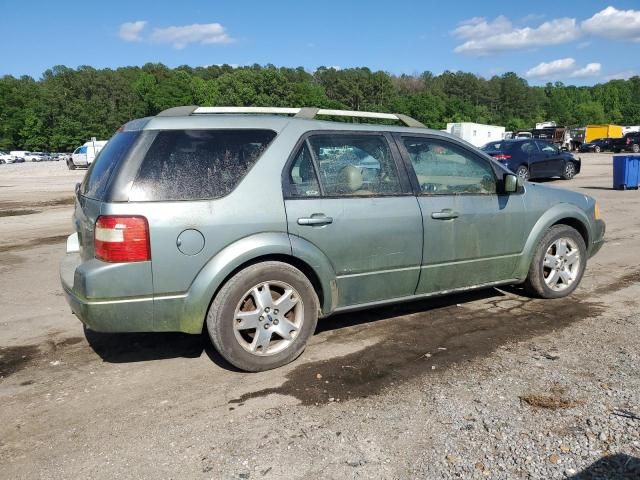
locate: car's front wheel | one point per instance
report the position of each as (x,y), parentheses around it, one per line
(523,172)
(635,148)
(596,149)
(558,263)
(569,171)
(263,316)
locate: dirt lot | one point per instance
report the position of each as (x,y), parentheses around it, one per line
(487,385)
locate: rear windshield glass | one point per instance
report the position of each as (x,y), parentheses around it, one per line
(197,164)
(493,146)
(97,177)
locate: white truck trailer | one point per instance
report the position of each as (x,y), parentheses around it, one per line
(476,134)
(83,156)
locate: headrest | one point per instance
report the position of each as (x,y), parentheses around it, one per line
(349,179)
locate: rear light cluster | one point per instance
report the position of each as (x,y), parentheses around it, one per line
(502,156)
(122,239)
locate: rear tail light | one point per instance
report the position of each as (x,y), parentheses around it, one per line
(502,156)
(122,239)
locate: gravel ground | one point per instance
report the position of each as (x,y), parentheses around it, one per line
(484,385)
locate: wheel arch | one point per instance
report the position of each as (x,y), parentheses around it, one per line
(562,214)
(246,252)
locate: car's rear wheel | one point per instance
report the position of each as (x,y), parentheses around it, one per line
(523,172)
(263,316)
(596,149)
(635,148)
(558,263)
(569,171)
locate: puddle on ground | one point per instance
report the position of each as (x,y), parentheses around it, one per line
(415,343)
(17,358)
(17,213)
(14,359)
(623,282)
(34,243)
(14,205)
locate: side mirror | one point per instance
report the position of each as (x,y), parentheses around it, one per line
(510,183)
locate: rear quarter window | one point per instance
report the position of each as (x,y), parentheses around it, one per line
(197,164)
(97,178)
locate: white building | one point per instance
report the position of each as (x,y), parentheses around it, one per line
(476,134)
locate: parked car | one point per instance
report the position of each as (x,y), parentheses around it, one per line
(598,145)
(36,157)
(254,226)
(21,154)
(629,143)
(532,158)
(6,158)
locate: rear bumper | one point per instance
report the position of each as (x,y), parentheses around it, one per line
(124,314)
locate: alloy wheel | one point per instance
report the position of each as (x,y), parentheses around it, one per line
(569,170)
(523,172)
(268,318)
(561,264)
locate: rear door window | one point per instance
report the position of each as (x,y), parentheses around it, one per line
(355,165)
(197,164)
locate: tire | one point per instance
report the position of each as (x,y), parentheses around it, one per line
(241,294)
(569,171)
(523,172)
(71,165)
(596,149)
(540,280)
(635,148)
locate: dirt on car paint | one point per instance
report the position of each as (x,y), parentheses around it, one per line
(419,341)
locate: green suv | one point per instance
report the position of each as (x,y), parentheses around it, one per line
(255,222)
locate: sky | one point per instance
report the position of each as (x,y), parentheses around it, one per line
(581,42)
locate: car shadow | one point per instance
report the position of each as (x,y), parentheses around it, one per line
(142,347)
(619,466)
(598,188)
(350,319)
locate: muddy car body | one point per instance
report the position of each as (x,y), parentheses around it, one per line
(254,226)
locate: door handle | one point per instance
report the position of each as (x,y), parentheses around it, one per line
(315,220)
(446,214)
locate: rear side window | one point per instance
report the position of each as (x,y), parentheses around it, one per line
(97,178)
(355,165)
(197,164)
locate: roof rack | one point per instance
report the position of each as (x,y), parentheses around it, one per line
(308,113)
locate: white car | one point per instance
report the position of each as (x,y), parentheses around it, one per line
(40,157)
(6,158)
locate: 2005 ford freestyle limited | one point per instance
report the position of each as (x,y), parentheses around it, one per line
(257,221)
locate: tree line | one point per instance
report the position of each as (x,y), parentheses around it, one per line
(66,106)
